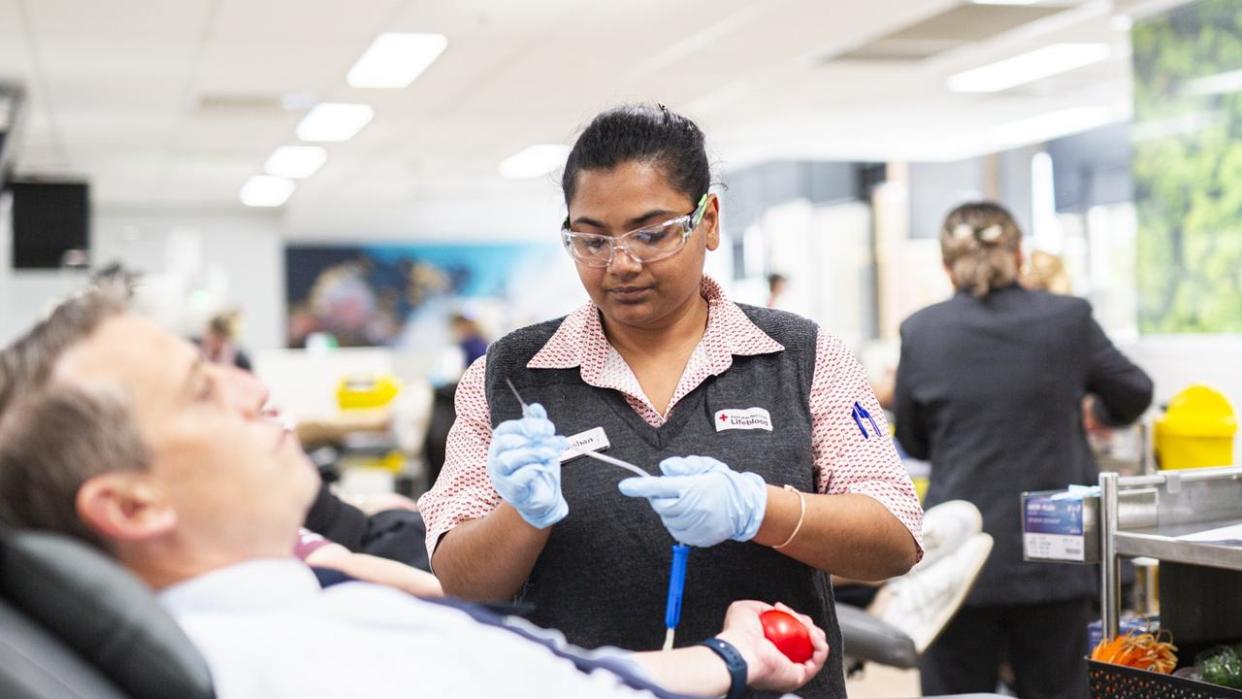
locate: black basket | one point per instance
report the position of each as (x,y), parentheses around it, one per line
(1120,682)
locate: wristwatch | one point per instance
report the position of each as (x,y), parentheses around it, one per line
(735,663)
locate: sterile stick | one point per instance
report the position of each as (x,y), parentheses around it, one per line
(594,455)
(610,460)
(516,394)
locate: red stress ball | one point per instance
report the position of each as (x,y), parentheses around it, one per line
(789,635)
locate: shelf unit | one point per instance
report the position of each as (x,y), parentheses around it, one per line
(1147,515)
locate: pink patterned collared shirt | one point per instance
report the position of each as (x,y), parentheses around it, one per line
(845,461)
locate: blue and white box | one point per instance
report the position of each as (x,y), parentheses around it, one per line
(1061,525)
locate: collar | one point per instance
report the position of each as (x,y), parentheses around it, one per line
(580,339)
(260,584)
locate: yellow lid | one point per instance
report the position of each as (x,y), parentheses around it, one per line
(365,391)
(1199,411)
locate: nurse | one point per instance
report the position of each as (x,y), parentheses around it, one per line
(766,447)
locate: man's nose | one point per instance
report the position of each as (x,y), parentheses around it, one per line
(242,390)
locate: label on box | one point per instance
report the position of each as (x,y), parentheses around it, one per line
(1054,547)
(1052,515)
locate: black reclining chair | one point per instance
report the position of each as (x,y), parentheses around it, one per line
(871,640)
(74,624)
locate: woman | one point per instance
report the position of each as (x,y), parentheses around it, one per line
(665,367)
(990,389)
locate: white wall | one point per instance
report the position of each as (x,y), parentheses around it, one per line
(1177,361)
(532,212)
(237,255)
(211,260)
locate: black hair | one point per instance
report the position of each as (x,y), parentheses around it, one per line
(642,133)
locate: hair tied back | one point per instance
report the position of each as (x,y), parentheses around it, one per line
(991,235)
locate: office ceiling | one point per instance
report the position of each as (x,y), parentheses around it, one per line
(174,103)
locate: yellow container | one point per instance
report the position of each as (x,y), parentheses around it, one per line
(1197,430)
(365,392)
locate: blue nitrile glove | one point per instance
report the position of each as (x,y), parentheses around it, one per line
(524,462)
(702,501)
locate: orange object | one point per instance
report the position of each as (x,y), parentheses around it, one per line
(1143,651)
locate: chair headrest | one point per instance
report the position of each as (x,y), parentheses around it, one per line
(103,612)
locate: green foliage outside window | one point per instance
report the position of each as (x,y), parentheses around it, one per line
(1188,169)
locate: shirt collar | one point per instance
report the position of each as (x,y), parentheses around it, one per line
(580,339)
(258,584)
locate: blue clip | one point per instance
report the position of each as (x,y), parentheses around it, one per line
(859,413)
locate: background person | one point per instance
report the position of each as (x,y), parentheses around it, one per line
(990,389)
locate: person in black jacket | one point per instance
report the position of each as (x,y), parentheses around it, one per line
(991,388)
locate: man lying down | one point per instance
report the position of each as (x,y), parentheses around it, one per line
(114,431)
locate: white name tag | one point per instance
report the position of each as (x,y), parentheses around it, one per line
(591,440)
(748,419)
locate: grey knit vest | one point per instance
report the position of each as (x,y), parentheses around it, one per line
(602,578)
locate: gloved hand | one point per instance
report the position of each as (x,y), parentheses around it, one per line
(701,501)
(524,462)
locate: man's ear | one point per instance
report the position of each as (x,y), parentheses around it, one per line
(124,506)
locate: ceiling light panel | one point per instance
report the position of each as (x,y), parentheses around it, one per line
(266,191)
(333,122)
(1028,67)
(534,161)
(393,61)
(295,162)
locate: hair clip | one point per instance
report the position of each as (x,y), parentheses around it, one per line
(963,231)
(991,234)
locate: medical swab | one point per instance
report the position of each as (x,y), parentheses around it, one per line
(609,460)
(583,452)
(516,395)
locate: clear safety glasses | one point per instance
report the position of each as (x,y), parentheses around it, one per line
(643,245)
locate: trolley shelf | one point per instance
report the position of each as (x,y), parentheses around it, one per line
(1163,543)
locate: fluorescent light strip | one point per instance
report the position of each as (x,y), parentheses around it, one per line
(1028,67)
(395,60)
(295,162)
(266,191)
(333,122)
(534,161)
(1052,125)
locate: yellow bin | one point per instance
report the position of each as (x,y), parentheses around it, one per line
(1196,430)
(362,392)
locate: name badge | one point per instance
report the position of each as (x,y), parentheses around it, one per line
(592,440)
(743,419)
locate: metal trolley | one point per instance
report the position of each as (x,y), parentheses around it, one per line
(1172,516)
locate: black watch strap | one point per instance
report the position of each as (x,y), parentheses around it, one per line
(734,662)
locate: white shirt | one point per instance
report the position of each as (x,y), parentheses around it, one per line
(268,630)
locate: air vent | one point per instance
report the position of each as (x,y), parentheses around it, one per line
(959,26)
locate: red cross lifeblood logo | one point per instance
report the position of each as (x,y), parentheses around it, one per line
(743,419)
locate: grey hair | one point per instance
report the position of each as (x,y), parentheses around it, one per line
(51,444)
(54,438)
(977,243)
(26,365)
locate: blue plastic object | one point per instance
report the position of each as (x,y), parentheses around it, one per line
(676,586)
